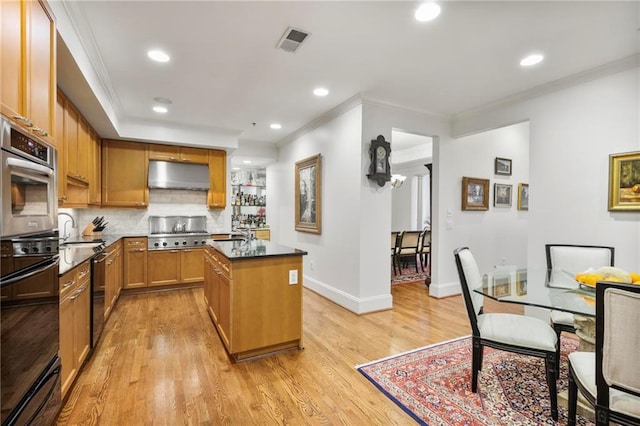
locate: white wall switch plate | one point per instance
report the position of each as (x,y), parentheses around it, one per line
(293,277)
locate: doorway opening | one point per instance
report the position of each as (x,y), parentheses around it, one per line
(411,159)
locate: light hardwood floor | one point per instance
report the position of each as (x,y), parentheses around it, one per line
(160,361)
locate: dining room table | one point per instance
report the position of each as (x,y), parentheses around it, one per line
(554,289)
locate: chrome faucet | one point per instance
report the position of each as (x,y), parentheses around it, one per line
(246,234)
(65,237)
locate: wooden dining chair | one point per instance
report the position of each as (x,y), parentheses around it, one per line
(395,246)
(409,241)
(424,250)
(609,378)
(574,258)
(508,332)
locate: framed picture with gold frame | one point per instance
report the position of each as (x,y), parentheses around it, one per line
(523,196)
(308,185)
(475,193)
(624,182)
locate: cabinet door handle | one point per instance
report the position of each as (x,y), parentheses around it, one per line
(40,131)
(25,120)
(173,251)
(83,273)
(187,250)
(134,243)
(141,250)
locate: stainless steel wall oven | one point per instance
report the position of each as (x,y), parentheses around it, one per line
(27,181)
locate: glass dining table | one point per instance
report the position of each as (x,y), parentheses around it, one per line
(554,289)
(545,288)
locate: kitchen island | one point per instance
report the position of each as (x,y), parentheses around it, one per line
(253,293)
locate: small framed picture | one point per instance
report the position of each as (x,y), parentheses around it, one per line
(521,282)
(501,195)
(501,286)
(523,196)
(502,166)
(624,182)
(475,193)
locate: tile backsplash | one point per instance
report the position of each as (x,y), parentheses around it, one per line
(162,202)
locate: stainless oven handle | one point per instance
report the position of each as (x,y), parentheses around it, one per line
(28,165)
(20,275)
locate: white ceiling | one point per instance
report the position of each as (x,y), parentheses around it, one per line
(226,73)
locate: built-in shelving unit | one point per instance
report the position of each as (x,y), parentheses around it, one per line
(249,199)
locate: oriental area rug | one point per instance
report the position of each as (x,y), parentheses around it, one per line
(407,275)
(433,385)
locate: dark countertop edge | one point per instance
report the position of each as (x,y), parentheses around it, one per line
(88,254)
(283,251)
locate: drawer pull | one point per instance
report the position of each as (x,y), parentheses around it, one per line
(140,249)
(25,120)
(68,284)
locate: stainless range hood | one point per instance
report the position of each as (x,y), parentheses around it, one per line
(168,175)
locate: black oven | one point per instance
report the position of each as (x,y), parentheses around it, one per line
(29,330)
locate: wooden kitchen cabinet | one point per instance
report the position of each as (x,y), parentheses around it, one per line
(191,265)
(178,154)
(217,195)
(75,322)
(251,303)
(164,267)
(61,169)
(94,152)
(135,262)
(125,168)
(28,66)
(177,266)
(113,277)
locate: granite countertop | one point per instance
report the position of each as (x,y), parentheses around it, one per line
(238,250)
(73,254)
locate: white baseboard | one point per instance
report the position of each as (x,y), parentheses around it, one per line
(348,301)
(440,290)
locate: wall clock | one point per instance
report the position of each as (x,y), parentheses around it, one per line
(380,170)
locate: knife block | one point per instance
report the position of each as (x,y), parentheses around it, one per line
(89,231)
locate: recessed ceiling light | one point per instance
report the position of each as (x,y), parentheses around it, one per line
(276,126)
(158,56)
(427,12)
(161,100)
(527,61)
(320,91)
(246,161)
(160,109)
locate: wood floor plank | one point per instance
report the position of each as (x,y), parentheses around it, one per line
(160,361)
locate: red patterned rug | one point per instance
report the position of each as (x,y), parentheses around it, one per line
(407,275)
(433,385)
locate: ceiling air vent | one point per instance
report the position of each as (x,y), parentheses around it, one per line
(292,39)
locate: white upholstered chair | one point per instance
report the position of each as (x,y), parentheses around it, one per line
(508,332)
(574,259)
(610,377)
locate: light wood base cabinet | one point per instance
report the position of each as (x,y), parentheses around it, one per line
(178,266)
(135,262)
(113,277)
(75,331)
(251,303)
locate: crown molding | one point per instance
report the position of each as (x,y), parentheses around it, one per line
(333,113)
(86,40)
(620,65)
